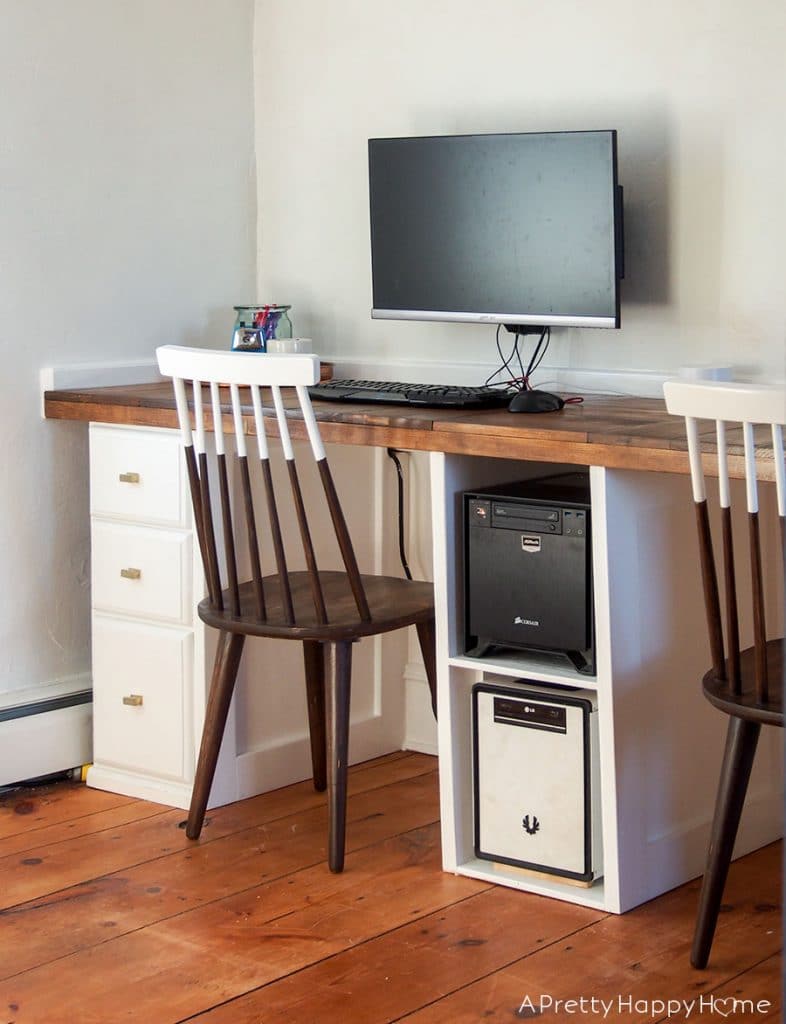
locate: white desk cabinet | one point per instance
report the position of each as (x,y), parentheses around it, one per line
(148,674)
(152,656)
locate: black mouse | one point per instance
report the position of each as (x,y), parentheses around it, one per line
(535,401)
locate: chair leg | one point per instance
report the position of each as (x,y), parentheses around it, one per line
(338,690)
(428,648)
(230,649)
(314,658)
(741,740)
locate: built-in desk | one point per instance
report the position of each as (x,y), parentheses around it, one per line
(615,432)
(660,743)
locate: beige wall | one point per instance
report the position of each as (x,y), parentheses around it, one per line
(127,220)
(696,89)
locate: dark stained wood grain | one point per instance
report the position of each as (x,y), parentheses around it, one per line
(709,578)
(314,664)
(732,615)
(344,542)
(252,537)
(203,509)
(738,686)
(618,432)
(246,609)
(222,685)
(228,534)
(308,545)
(741,742)
(393,604)
(759,616)
(277,541)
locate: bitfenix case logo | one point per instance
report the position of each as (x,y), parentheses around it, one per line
(719,1007)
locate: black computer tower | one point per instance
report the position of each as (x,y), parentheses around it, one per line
(528,568)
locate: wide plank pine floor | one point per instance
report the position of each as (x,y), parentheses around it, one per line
(108,913)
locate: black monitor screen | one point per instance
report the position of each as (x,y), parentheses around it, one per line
(505,228)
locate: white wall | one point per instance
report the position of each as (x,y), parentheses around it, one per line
(696,89)
(128,219)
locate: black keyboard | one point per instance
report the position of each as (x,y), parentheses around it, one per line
(446,396)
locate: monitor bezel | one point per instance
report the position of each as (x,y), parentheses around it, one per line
(512,319)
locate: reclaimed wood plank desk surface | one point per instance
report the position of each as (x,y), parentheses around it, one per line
(613,431)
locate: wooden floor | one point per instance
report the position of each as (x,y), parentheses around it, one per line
(110,914)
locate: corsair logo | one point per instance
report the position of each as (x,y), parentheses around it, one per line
(518,621)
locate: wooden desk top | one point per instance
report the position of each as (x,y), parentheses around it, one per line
(618,432)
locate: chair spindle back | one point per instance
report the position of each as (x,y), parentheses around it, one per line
(746,405)
(192,369)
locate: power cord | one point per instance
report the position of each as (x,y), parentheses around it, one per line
(521,381)
(518,380)
(392,454)
(537,356)
(511,383)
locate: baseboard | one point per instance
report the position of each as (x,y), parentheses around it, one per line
(271,767)
(678,856)
(141,787)
(46,729)
(420,728)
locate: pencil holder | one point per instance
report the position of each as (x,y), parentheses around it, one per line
(255,326)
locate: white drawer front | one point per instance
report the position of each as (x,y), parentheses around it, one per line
(140,678)
(138,475)
(142,570)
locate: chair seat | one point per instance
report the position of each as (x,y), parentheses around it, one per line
(393,602)
(745,705)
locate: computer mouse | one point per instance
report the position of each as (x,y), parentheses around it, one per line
(535,401)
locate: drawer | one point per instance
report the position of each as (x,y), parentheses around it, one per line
(138,475)
(141,677)
(142,570)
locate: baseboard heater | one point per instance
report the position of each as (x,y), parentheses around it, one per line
(42,737)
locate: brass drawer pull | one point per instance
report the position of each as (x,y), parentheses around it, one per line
(129,478)
(130,574)
(133,700)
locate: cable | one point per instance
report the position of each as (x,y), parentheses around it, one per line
(537,356)
(505,364)
(518,356)
(521,381)
(401,548)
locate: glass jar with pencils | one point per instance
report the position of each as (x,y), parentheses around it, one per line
(255,326)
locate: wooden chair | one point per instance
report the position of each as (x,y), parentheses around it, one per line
(746,685)
(326,611)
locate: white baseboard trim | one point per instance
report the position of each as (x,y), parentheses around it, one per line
(420,728)
(680,855)
(271,767)
(640,383)
(141,787)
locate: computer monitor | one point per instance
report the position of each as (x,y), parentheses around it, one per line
(522,229)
